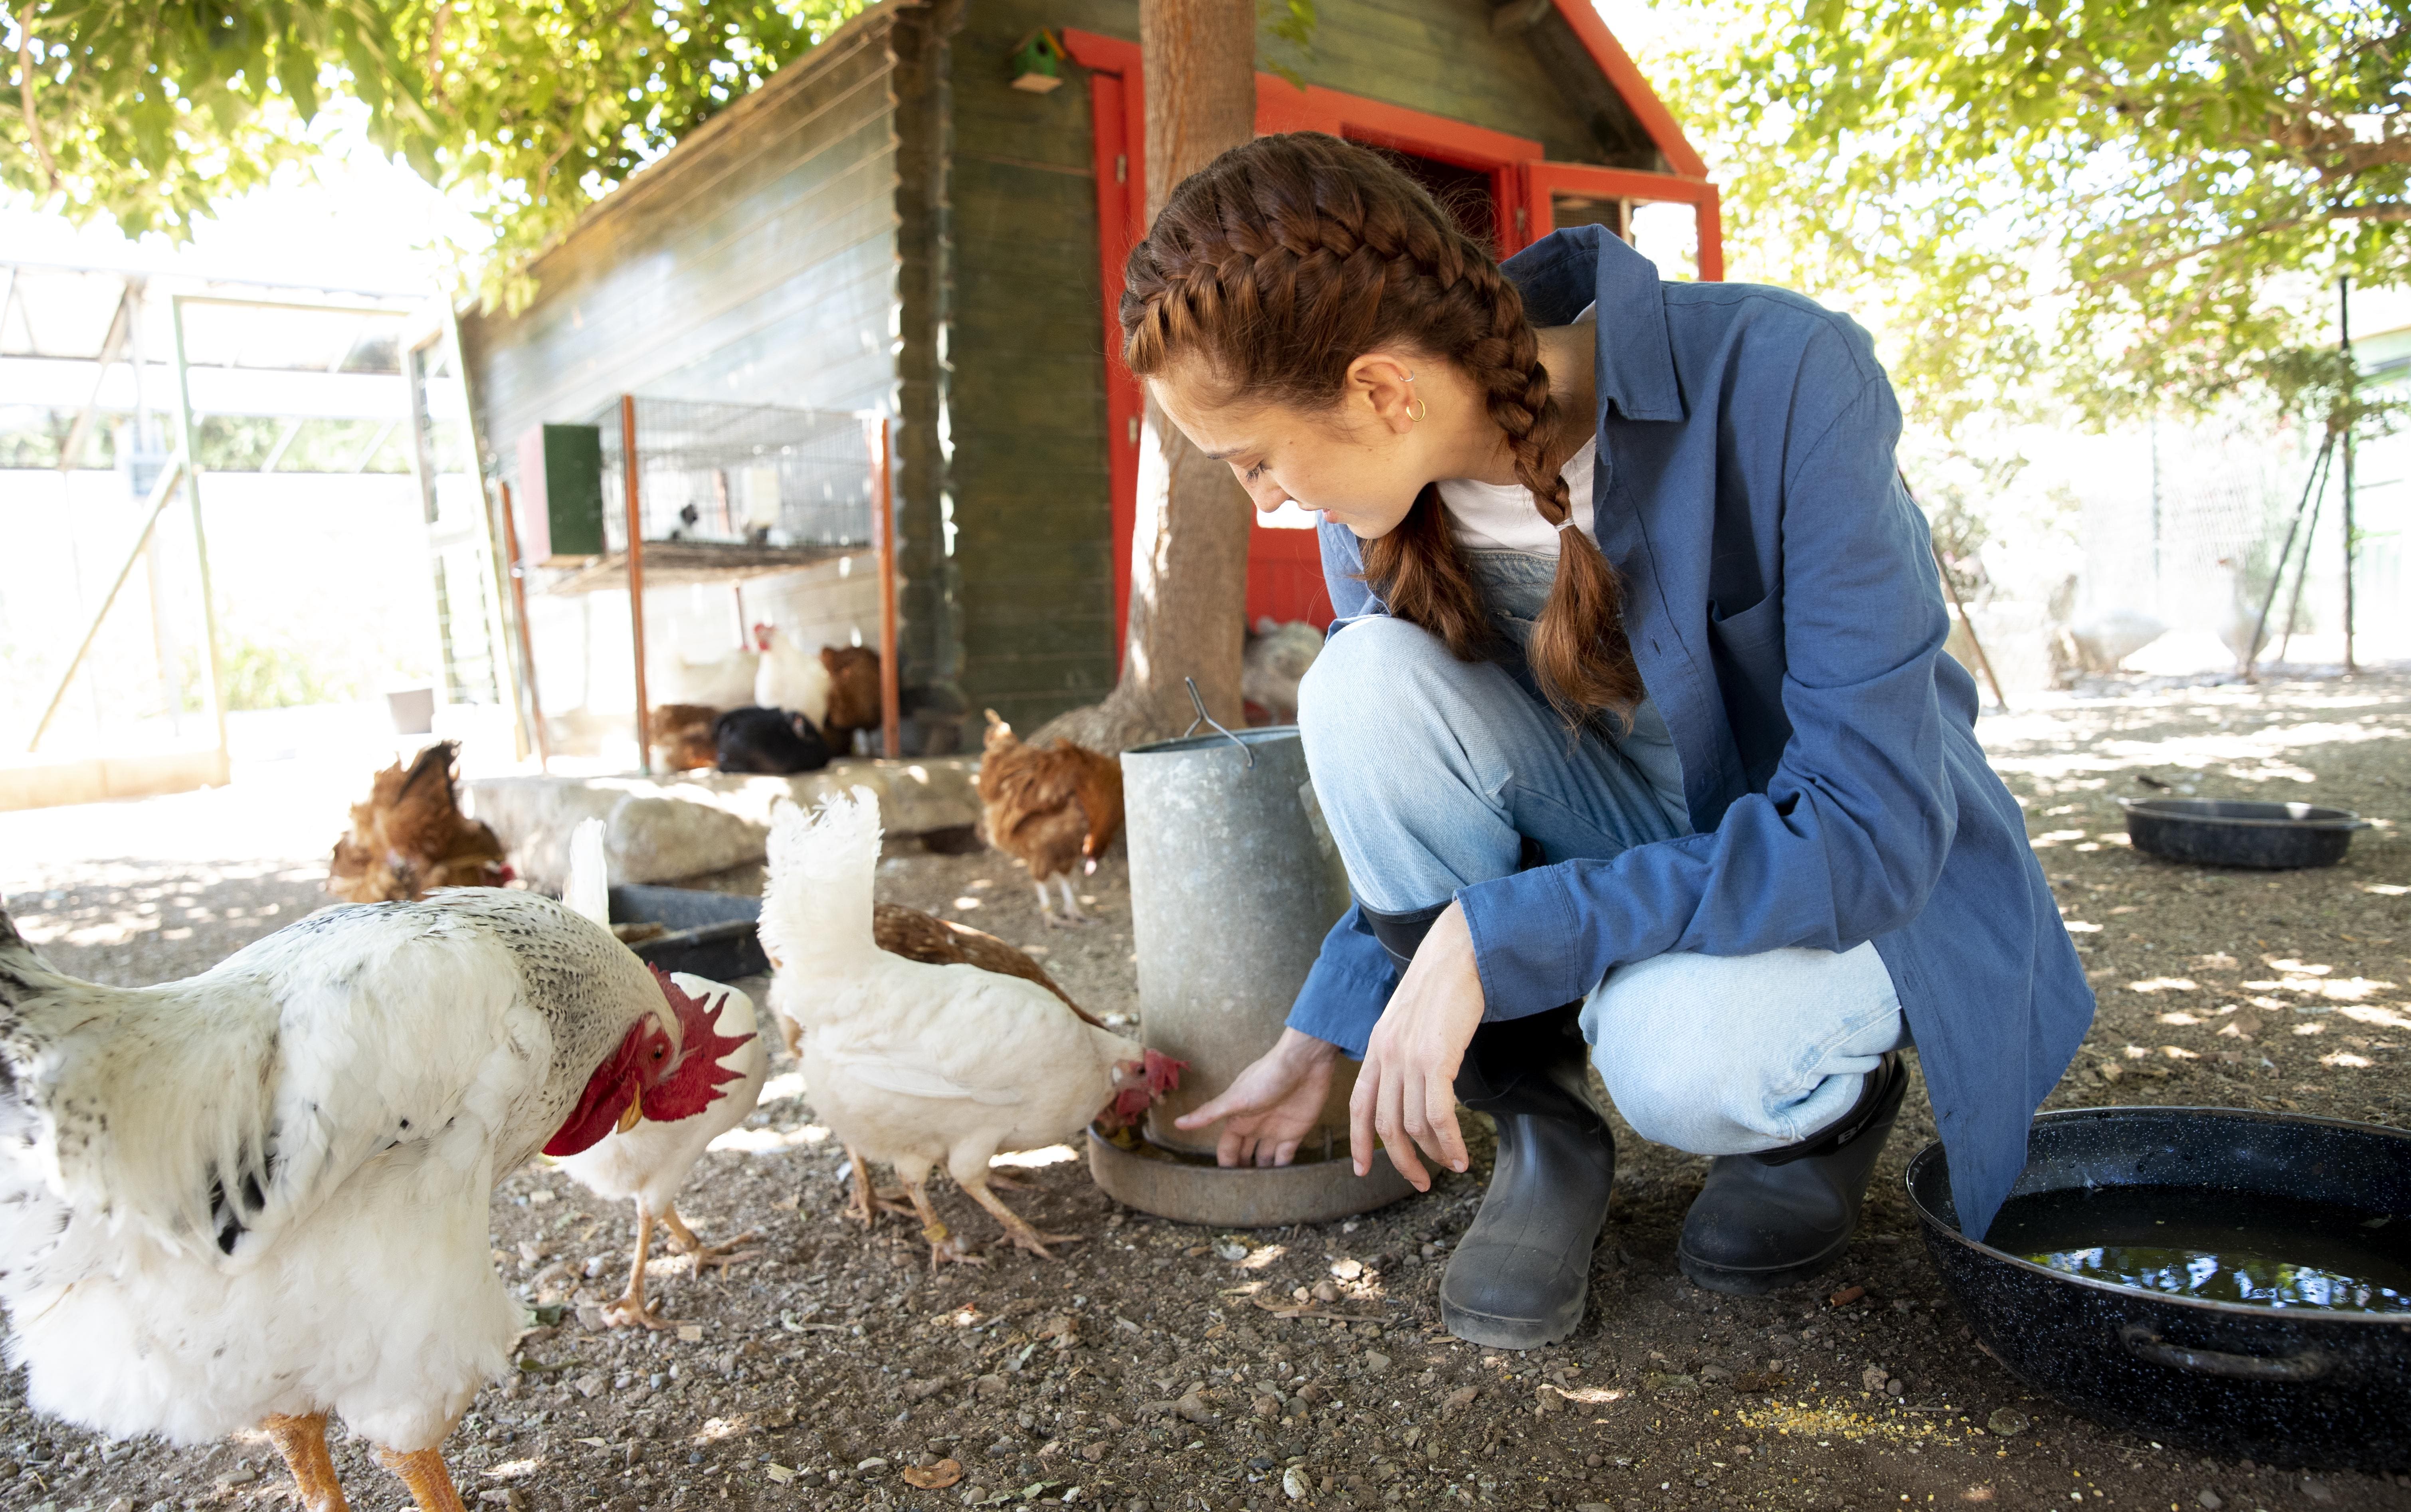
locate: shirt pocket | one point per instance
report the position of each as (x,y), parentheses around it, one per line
(1748,649)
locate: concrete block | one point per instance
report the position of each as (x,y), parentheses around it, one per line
(665,829)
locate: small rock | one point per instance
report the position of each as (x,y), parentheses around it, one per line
(1293,1484)
(1375,1361)
(124,1503)
(689,1334)
(2211,1500)
(1456,1401)
(590,1386)
(1895,1388)
(1348,1270)
(2007,1423)
(239,1477)
(1231,1249)
(1324,1292)
(1874,1377)
(1192,1407)
(1260,1461)
(1714,1374)
(2317,1490)
(1094,1453)
(988,1386)
(1848,1295)
(923,1388)
(1668,1381)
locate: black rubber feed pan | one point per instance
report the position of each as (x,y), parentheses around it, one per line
(2292,1385)
(706,934)
(2217,831)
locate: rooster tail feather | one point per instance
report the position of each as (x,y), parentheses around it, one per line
(25,980)
(588,891)
(816,904)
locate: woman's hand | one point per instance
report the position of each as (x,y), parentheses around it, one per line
(1406,1092)
(1271,1104)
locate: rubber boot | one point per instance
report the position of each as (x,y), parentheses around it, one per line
(1766,1220)
(1518,1277)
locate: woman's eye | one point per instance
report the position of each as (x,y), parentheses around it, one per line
(1254,473)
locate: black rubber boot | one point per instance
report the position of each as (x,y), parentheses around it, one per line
(1520,1274)
(1767,1220)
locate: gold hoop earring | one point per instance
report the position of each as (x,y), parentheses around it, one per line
(1418,411)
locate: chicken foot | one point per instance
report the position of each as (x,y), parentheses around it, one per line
(1016,1228)
(302,1442)
(946,1246)
(867,1201)
(632,1307)
(1071,914)
(422,1471)
(684,1240)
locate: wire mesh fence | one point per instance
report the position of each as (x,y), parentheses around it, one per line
(740,475)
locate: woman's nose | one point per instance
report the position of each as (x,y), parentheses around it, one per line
(1268,495)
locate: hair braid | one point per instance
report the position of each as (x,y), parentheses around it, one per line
(1277,265)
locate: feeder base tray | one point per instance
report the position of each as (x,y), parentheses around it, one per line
(1190,1189)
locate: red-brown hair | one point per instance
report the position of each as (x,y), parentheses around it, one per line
(1279,264)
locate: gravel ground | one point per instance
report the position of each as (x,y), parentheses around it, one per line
(1145,1372)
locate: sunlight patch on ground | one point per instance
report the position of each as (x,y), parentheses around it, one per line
(783,1086)
(1051,1155)
(768,1140)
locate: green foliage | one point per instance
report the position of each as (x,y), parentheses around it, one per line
(2127,205)
(532,110)
(257,674)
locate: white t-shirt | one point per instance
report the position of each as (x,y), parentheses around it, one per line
(1503,516)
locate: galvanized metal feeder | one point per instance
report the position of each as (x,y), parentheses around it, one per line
(1234,883)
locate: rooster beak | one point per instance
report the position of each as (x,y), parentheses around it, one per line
(635,1110)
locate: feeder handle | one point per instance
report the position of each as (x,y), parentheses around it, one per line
(1202,718)
(2144,1345)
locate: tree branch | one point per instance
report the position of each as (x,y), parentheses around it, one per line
(25,96)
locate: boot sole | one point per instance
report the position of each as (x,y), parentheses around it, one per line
(1734,1282)
(1495,1332)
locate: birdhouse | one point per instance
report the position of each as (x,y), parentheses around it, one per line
(1036,69)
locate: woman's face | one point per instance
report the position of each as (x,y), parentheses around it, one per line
(1360,463)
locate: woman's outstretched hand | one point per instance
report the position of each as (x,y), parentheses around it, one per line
(1406,1092)
(1272,1105)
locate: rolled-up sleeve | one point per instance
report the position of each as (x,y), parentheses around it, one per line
(1348,986)
(1851,834)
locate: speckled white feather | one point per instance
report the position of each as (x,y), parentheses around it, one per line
(264,1189)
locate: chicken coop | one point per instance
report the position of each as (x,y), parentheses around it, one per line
(675,506)
(908,223)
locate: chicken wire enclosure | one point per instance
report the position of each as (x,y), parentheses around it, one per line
(758,475)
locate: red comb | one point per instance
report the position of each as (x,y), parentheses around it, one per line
(1163,1072)
(694,1083)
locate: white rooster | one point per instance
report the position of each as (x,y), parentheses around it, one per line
(915,1064)
(791,678)
(259,1195)
(649,1162)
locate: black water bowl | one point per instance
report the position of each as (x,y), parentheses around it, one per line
(2292,1385)
(704,934)
(2216,831)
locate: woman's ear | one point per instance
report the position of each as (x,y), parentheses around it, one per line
(1381,385)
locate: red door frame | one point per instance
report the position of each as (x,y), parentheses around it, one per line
(1284,566)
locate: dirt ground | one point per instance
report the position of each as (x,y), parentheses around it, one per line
(1142,1371)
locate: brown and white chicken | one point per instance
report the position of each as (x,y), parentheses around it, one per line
(410,837)
(1052,808)
(915,1065)
(259,1197)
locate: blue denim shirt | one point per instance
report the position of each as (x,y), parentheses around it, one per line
(1782,602)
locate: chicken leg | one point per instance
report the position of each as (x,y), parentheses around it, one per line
(631,1307)
(422,1471)
(944,1246)
(302,1441)
(683,1239)
(1016,1228)
(1072,913)
(867,1201)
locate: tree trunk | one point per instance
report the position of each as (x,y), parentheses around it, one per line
(1189,549)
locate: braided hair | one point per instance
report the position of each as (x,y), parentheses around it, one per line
(1275,267)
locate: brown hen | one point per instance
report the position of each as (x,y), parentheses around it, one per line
(1051,808)
(410,837)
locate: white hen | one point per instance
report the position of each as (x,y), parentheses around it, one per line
(258,1196)
(649,1162)
(791,678)
(915,1064)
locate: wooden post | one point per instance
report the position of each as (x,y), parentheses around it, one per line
(2351,375)
(882,536)
(635,580)
(527,640)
